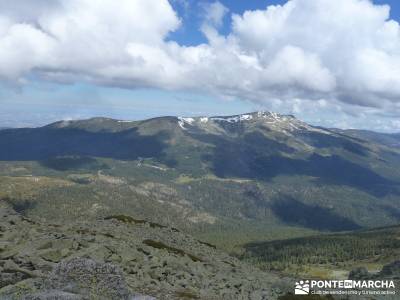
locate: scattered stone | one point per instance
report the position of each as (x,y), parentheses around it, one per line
(84,276)
(360,273)
(120,258)
(53,295)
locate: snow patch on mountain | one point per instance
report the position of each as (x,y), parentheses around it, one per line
(182,121)
(286,124)
(234,119)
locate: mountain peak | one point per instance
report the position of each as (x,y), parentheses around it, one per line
(266,118)
(257,115)
(284,124)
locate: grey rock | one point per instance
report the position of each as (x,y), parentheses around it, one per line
(87,277)
(8,278)
(359,273)
(100,259)
(53,295)
(142,297)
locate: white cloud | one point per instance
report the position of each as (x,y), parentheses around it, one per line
(83,37)
(292,66)
(215,13)
(346,52)
(353,40)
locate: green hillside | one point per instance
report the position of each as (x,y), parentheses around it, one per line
(230,180)
(329,254)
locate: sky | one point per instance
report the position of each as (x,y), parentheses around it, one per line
(329,63)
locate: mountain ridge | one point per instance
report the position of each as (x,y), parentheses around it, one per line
(392,139)
(241,117)
(257,171)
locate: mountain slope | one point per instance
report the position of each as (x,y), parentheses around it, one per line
(390,140)
(328,254)
(258,175)
(117,256)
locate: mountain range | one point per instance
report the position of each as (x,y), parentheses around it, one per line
(258,186)
(259,167)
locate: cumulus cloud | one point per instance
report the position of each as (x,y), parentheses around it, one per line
(82,37)
(346,52)
(215,12)
(353,42)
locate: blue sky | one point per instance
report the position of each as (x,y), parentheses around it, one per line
(189,34)
(36,88)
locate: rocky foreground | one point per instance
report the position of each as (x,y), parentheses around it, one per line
(119,258)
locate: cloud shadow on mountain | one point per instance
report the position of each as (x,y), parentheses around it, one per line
(321,140)
(78,145)
(293,212)
(257,157)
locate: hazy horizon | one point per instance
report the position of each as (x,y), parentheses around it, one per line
(207,57)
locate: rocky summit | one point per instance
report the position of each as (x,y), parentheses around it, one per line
(119,258)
